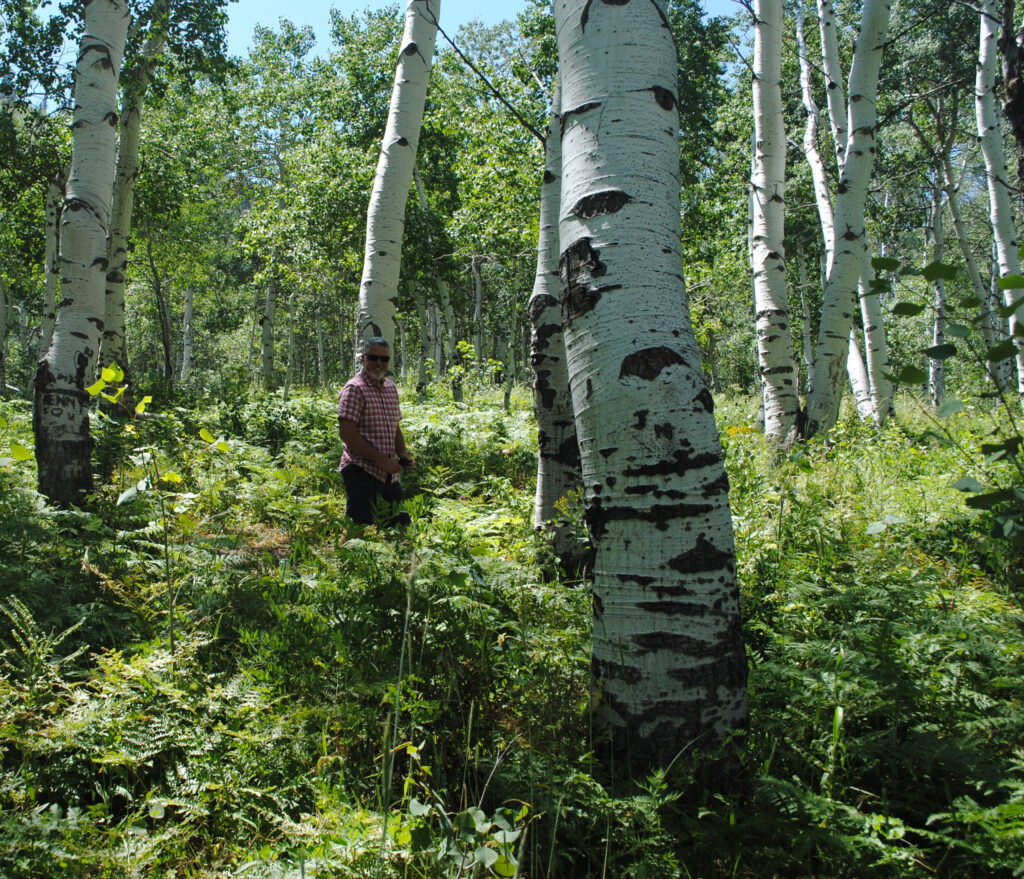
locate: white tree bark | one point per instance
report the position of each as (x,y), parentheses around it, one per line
(876,345)
(267,336)
(61,408)
(807,335)
(768,255)
(999,191)
(385,216)
(668,657)
(186,336)
(859,383)
(127,171)
(937,367)
(851,237)
(832,68)
(558,453)
(54,198)
(289,372)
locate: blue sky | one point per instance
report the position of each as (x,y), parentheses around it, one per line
(245,14)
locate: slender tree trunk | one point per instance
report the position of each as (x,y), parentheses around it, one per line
(478,309)
(61,408)
(859,383)
(267,346)
(3,338)
(771,308)
(832,68)
(1011,48)
(668,657)
(113,347)
(558,453)
(186,336)
(937,367)
(876,345)
(289,373)
(807,335)
(999,190)
(321,354)
(162,289)
(851,235)
(54,197)
(421,375)
(385,217)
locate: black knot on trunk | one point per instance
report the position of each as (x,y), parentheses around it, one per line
(649,363)
(666,100)
(609,201)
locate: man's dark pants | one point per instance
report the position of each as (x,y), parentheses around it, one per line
(367,495)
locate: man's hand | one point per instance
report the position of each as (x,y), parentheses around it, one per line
(392,466)
(406,462)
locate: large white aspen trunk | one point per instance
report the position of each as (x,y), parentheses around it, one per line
(937,367)
(876,345)
(186,336)
(668,658)
(768,255)
(999,191)
(558,453)
(851,235)
(113,348)
(267,343)
(385,216)
(54,197)
(858,373)
(61,406)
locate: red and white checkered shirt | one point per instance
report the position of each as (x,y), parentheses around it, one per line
(374,409)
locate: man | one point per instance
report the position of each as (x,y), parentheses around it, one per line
(375,452)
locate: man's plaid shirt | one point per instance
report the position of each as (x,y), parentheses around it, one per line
(374,409)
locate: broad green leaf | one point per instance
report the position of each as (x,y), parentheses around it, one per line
(912,375)
(907,309)
(875,528)
(941,352)
(989,500)
(1011,282)
(223,446)
(1007,310)
(145,401)
(970,302)
(486,857)
(171,476)
(417,808)
(950,407)
(111,373)
(884,263)
(958,331)
(1009,447)
(938,271)
(186,523)
(1003,351)
(969,483)
(505,866)
(20,452)
(156,810)
(506,837)
(3,421)
(206,436)
(96,387)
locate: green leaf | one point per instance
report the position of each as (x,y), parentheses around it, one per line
(20,452)
(968,483)
(223,446)
(505,866)
(156,810)
(95,388)
(1009,447)
(142,404)
(941,352)
(938,271)
(912,375)
(958,331)
(989,500)
(1011,282)
(112,373)
(486,857)
(950,407)
(417,808)
(205,435)
(171,476)
(884,263)
(1003,351)
(3,421)
(1008,310)
(875,528)
(907,309)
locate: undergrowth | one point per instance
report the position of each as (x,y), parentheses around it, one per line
(208,672)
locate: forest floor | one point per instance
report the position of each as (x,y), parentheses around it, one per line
(205,673)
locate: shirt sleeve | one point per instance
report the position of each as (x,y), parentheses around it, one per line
(350,403)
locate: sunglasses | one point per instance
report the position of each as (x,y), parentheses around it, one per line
(375,358)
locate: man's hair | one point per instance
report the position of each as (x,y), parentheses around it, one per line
(374,342)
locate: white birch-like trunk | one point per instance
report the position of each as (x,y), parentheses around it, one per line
(858,373)
(851,234)
(267,345)
(61,406)
(112,350)
(833,71)
(385,216)
(807,334)
(478,309)
(768,255)
(999,191)
(321,353)
(421,374)
(186,336)
(937,367)
(289,372)
(54,197)
(668,659)
(558,453)
(876,345)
